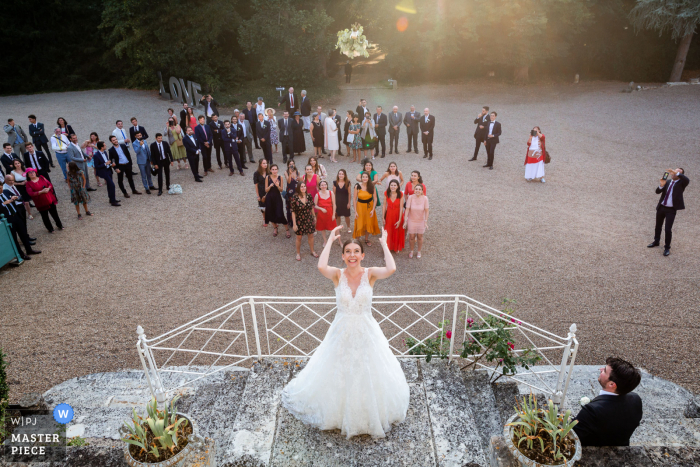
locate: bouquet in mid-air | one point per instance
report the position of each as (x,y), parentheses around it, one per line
(352,42)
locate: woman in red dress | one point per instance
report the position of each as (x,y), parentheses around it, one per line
(41,192)
(393,217)
(325,207)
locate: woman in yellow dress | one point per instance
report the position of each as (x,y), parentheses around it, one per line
(174,133)
(365,215)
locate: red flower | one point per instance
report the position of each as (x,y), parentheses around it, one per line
(448,334)
(511,345)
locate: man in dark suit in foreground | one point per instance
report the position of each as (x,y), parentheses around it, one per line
(103,168)
(427,129)
(493,131)
(670,202)
(121,161)
(230,142)
(380,123)
(481,121)
(263,129)
(205,137)
(193,152)
(37,160)
(161,159)
(611,418)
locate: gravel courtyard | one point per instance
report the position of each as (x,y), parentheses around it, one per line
(572,250)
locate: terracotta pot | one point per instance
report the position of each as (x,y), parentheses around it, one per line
(177,460)
(527,462)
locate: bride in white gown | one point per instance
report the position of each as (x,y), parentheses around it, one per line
(353,381)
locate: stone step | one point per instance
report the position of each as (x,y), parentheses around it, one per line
(482,402)
(671,432)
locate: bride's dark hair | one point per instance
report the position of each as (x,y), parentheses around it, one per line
(356,242)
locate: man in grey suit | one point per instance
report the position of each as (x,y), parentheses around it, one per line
(411,121)
(39,138)
(395,119)
(247,137)
(16,137)
(75,154)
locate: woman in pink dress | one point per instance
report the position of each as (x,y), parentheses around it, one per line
(416,216)
(311,180)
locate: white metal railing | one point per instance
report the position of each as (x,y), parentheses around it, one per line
(293,327)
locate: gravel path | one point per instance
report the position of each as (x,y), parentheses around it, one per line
(571,250)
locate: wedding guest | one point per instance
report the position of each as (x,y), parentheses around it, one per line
(373,175)
(274,131)
(290,101)
(259,109)
(317,135)
(39,138)
(175,136)
(415,180)
(303,218)
(251,116)
(338,125)
(330,133)
(7,208)
(247,127)
(78,194)
(16,137)
(42,193)
(341,191)
(305,111)
(534,156)
(291,176)
(611,418)
(121,158)
(362,109)
(481,121)
(65,128)
(59,144)
(670,202)
(311,179)
(286,135)
(411,120)
(416,218)
(356,145)
(264,130)
(120,133)
(8,157)
(395,120)
(136,128)
(216,129)
(193,152)
(37,160)
(229,142)
(259,179)
(298,135)
(184,123)
(171,113)
(393,217)
(274,208)
(325,205)
(75,154)
(319,169)
(392,173)
(493,131)
(349,137)
(380,122)
(364,197)
(103,167)
(191,119)
(162,160)
(16,215)
(205,137)
(210,108)
(89,147)
(427,129)
(19,173)
(143,160)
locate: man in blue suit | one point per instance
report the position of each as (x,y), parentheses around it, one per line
(103,167)
(121,161)
(229,142)
(193,151)
(38,134)
(143,159)
(205,137)
(263,131)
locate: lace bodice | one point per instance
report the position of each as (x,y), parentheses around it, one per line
(358,305)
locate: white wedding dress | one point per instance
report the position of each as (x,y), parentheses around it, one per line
(353,381)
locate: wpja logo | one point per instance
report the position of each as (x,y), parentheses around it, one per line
(37,436)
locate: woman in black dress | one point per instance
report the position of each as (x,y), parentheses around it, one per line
(317,135)
(259,180)
(292,176)
(304,218)
(298,132)
(274,208)
(341,189)
(348,122)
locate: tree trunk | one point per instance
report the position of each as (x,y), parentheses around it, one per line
(522,74)
(681,55)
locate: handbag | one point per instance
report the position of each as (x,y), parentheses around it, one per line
(349,138)
(547,158)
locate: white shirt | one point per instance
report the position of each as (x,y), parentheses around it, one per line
(121,135)
(122,157)
(59,143)
(242,126)
(669,195)
(286,126)
(162,153)
(606,393)
(105,157)
(209,111)
(535,143)
(14,190)
(260,108)
(491,127)
(34,160)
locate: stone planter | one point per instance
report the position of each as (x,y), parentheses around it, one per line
(526,462)
(181,459)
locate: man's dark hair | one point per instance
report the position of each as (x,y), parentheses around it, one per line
(32,116)
(159,134)
(118,121)
(486,108)
(100,144)
(6,145)
(138,133)
(682,170)
(110,138)
(623,374)
(200,117)
(132,119)
(10,120)
(494,113)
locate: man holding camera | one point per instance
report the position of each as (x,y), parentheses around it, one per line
(670,202)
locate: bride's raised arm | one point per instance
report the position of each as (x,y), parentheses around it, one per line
(329,271)
(389,269)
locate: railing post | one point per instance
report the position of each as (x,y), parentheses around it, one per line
(145,355)
(566,368)
(255,327)
(454,328)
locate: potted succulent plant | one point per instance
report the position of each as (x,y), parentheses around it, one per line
(162,438)
(539,437)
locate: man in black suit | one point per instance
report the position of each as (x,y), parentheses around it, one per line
(493,131)
(103,168)
(237,128)
(19,219)
(205,137)
(670,202)
(37,160)
(121,161)
(286,136)
(380,122)
(264,136)
(230,141)
(39,138)
(480,133)
(348,71)
(210,108)
(7,158)
(611,418)
(362,109)
(136,128)
(427,130)
(193,151)
(161,159)
(411,121)
(252,117)
(305,111)
(290,101)
(183,116)
(216,128)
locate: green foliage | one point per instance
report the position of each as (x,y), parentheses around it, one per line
(162,426)
(681,17)
(4,388)
(77,441)
(436,345)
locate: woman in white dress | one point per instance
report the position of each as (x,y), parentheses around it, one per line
(534,157)
(353,382)
(330,135)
